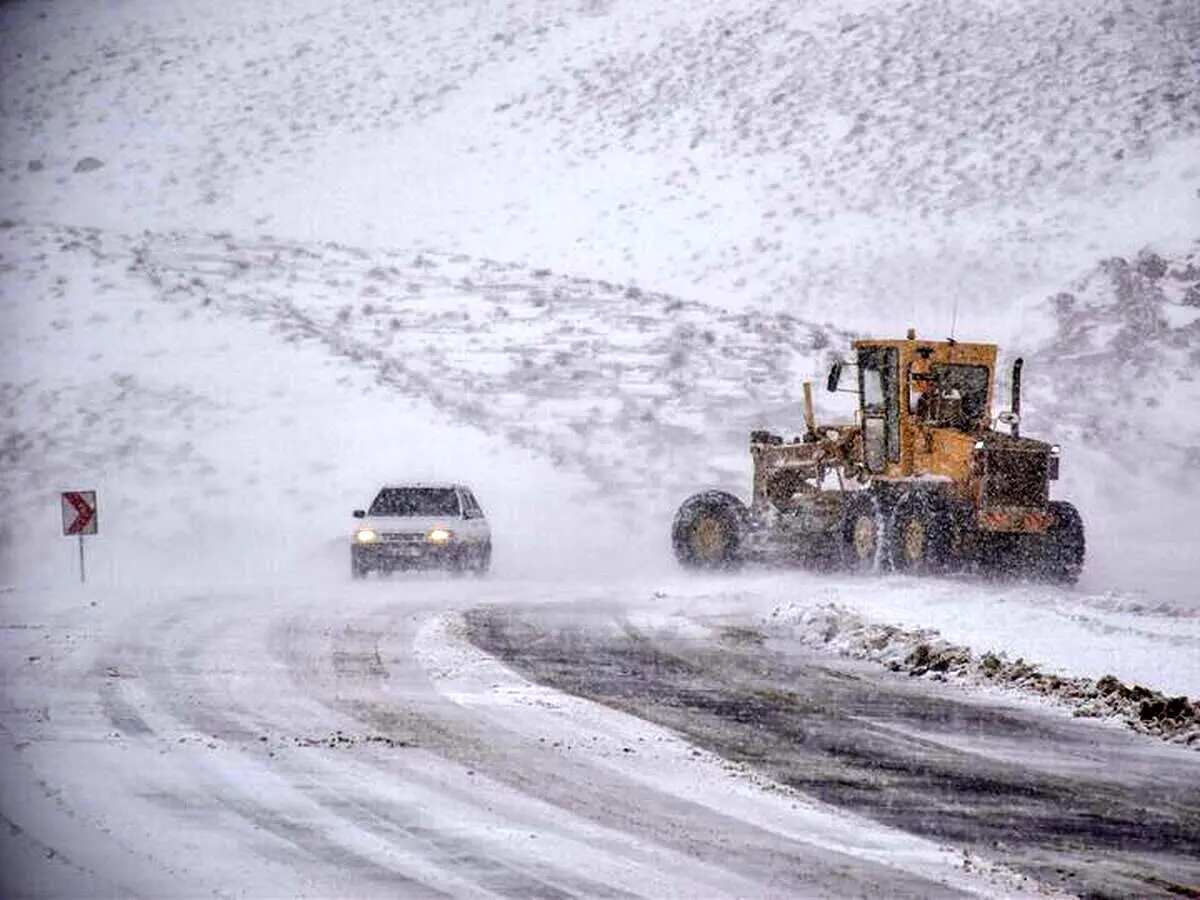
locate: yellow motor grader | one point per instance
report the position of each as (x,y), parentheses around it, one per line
(922,481)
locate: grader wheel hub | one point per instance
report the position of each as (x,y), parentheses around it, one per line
(708,538)
(914,541)
(864,538)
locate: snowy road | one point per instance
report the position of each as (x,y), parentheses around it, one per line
(338,746)
(1079,806)
(352,742)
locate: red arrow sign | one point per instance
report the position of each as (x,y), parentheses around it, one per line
(79,512)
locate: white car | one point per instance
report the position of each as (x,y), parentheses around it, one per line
(421,526)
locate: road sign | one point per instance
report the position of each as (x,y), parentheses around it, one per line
(79,513)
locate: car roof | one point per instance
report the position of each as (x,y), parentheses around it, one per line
(441,485)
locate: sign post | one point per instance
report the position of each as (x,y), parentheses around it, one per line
(79,516)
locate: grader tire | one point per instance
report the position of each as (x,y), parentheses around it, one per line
(1065,545)
(864,534)
(707,532)
(920,535)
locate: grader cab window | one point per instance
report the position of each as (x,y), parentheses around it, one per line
(954,396)
(872,389)
(879,374)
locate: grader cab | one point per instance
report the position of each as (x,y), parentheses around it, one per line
(922,481)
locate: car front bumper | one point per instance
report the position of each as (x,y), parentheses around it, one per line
(383,555)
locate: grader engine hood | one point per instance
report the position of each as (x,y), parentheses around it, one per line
(1014,475)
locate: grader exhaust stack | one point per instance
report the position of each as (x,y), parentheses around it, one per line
(925,483)
(1016,396)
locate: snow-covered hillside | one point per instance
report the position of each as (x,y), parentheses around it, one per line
(1127,337)
(858,162)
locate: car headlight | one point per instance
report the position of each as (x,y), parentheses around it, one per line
(439,536)
(365,536)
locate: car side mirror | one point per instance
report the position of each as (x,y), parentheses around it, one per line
(359,514)
(835,376)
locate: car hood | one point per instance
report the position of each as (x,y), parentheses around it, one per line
(407,524)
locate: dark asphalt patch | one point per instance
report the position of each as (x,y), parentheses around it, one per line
(1091,811)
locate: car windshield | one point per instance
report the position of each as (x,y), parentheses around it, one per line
(413,501)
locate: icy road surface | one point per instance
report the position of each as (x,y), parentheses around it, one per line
(352,742)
